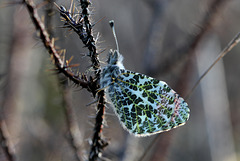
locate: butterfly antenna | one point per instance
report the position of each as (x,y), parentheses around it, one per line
(111,23)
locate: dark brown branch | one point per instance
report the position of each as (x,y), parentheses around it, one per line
(97,142)
(60,65)
(90,40)
(83,28)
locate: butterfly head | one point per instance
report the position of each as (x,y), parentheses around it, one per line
(115,58)
(112,69)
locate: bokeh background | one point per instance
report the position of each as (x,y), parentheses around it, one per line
(171,40)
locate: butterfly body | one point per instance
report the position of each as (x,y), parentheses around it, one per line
(144,105)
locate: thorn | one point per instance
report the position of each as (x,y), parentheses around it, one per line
(97,37)
(64,55)
(73,65)
(98,21)
(102,51)
(91,124)
(71,58)
(95,101)
(53,41)
(63,19)
(58,7)
(42,18)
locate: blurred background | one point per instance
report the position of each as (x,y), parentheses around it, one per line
(171,40)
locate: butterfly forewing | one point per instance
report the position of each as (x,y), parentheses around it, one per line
(144,105)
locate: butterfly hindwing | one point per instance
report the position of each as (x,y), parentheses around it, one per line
(145,105)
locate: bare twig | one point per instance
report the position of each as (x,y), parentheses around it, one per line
(74,132)
(226,50)
(187,49)
(5,143)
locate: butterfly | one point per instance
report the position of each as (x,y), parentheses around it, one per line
(144,105)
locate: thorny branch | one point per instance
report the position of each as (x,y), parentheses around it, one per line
(49,45)
(83,28)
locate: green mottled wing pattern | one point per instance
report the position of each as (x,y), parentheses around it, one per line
(144,105)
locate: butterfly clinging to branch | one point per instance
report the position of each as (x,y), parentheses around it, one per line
(144,105)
